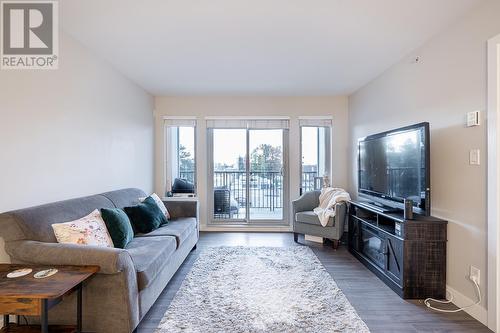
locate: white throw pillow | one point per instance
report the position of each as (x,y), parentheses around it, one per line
(160,204)
(88,230)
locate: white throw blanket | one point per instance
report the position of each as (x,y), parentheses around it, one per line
(328,200)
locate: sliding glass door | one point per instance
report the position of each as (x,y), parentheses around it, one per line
(247,175)
(229,174)
(266,170)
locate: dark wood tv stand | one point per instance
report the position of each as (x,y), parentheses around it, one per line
(408,255)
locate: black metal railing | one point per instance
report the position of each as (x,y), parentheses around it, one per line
(265,187)
(307,183)
(187,175)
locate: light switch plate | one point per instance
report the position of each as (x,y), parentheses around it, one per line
(474,157)
(473,118)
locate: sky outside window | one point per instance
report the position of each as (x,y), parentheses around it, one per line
(309,145)
(186,139)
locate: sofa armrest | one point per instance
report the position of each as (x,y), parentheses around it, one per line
(110,260)
(178,209)
(307,201)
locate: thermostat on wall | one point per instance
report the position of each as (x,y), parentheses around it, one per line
(473,118)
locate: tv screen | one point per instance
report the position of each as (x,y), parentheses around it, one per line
(394,166)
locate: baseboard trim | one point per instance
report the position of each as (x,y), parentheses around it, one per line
(477,311)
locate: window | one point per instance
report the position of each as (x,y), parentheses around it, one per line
(180,138)
(315,148)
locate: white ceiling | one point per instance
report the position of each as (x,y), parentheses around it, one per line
(249,47)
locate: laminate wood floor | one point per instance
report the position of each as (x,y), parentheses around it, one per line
(380,308)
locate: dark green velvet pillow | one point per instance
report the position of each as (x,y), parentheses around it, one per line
(146,216)
(119,226)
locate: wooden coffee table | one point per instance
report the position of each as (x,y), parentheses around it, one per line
(34,297)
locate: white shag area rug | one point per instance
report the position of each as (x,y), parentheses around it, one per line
(260,289)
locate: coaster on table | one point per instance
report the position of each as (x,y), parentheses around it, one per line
(19,273)
(45,273)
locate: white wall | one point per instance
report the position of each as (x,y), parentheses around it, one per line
(449,81)
(254,106)
(79,130)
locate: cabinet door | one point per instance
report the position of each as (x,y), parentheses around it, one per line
(354,233)
(394,259)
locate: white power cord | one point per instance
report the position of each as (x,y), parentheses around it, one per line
(428,304)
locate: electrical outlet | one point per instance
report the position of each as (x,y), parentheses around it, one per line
(475,274)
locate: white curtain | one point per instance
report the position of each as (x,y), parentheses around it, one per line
(272,123)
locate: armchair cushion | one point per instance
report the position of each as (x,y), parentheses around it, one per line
(309,217)
(307,201)
(110,260)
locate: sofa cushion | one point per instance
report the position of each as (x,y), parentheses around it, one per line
(36,222)
(180,228)
(88,230)
(309,217)
(149,255)
(160,204)
(124,197)
(119,226)
(146,216)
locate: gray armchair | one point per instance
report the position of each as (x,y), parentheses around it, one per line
(305,221)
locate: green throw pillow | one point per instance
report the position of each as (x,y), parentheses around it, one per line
(164,211)
(119,226)
(146,216)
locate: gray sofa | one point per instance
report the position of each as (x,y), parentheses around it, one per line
(306,222)
(129,281)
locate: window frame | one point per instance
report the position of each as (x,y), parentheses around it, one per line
(317,122)
(177,122)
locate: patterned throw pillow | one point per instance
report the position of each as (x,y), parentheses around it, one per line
(88,230)
(160,204)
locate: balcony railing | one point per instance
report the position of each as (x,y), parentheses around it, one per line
(187,175)
(265,187)
(307,183)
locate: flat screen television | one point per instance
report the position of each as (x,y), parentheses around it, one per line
(393,166)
